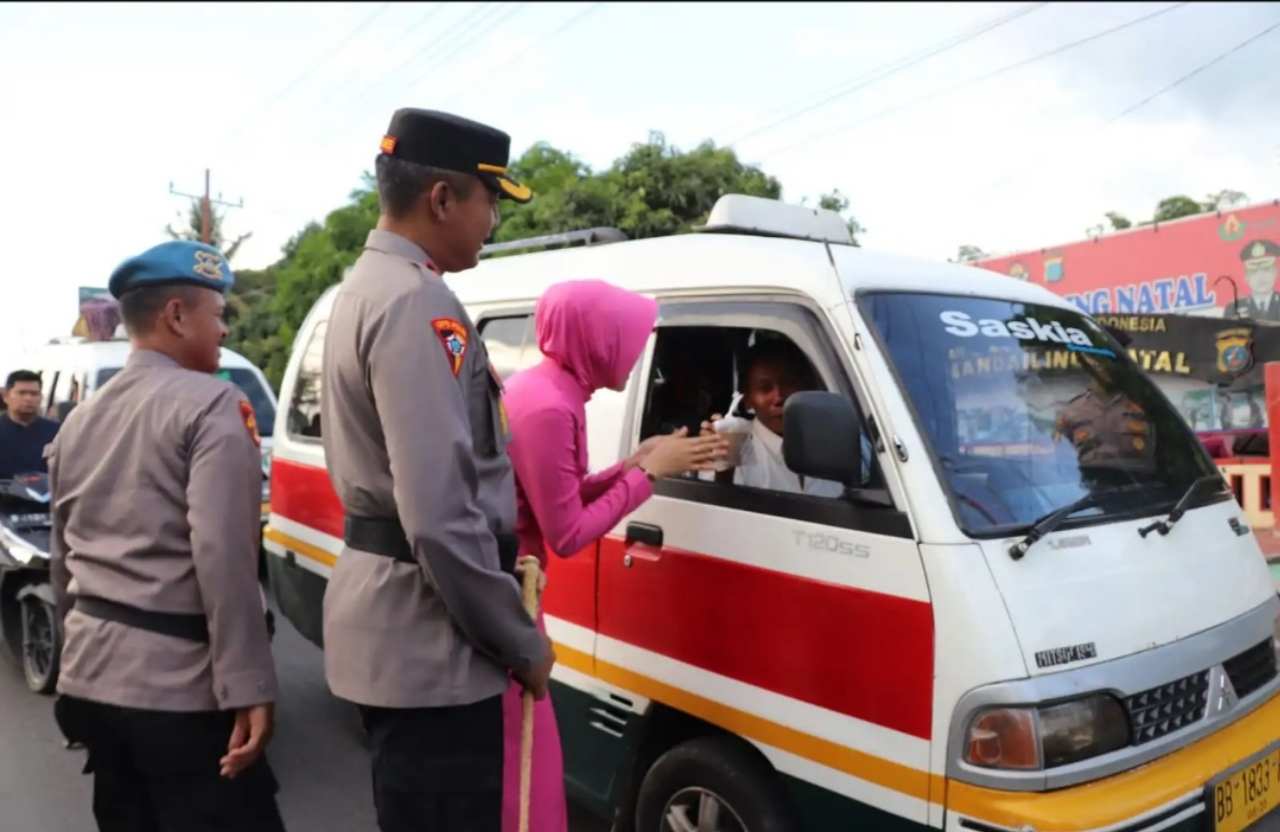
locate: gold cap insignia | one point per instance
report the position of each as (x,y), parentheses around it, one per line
(208,265)
(1258,250)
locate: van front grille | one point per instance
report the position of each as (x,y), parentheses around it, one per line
(1167,708)
(1252,669)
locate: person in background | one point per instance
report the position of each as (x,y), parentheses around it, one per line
(23,431)
(591,334)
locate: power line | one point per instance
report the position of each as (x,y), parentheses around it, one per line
(414,54)
(1193,73)
(316,64)
(480,27)
(1146,100)
(986,76)
(892,68)
(543,40)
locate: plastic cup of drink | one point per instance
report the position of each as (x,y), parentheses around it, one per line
(736,430)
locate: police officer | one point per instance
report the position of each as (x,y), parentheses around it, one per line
(422,617)
(1109,430)
(167,676)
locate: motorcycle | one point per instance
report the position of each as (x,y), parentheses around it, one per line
(28,619)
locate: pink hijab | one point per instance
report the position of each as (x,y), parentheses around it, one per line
(594,330)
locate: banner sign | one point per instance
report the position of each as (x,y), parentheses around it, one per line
(1222,264)
(99,315)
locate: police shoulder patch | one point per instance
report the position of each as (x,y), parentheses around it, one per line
(453,337)
(250,421)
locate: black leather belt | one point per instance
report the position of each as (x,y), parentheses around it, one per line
(191,626)
(385,536)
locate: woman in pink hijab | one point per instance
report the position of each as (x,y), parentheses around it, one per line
(590,334)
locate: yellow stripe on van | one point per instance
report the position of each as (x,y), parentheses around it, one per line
(1130,793)
(878,770)
(300,547)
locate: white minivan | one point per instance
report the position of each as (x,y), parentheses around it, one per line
(71,369)
(1035,605)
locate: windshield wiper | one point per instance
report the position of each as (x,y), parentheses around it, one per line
(1166,525)
(1049,522)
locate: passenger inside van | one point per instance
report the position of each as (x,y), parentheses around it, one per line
(772,370)
(699,372)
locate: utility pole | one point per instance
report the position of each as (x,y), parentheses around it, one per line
(206,203)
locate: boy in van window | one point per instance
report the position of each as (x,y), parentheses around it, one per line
(772,371)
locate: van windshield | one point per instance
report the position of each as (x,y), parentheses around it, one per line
(1027,408)
(263,410)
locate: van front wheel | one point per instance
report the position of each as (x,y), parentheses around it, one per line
(711,784)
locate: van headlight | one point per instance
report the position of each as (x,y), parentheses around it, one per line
(1029,738)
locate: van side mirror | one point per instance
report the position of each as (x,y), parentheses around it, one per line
(821,437)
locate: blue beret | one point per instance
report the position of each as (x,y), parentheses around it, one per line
(177,261)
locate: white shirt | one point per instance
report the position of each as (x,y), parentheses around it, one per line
(762,466)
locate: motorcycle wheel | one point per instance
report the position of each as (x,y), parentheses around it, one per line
(40,646)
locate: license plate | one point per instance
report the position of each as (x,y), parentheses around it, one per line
(1241,798)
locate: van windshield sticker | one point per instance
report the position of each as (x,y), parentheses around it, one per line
(962,325)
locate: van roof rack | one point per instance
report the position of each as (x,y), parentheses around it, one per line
(586,237)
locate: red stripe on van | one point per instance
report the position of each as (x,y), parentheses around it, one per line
(860,653)
(304,494)
(864,654)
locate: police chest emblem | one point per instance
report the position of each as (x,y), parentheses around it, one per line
(453,337)
(208,265)
(1235,351)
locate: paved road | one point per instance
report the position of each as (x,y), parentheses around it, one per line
(317,754)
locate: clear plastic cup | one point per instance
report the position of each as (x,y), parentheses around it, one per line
(736,430)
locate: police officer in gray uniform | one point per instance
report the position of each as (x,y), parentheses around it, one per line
(423,621)
(167,676)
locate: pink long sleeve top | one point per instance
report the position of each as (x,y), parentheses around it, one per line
(591,334)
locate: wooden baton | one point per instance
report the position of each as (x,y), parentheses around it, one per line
(532,572)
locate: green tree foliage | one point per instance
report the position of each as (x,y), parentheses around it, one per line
(969,253)
(1119,222)
(1171,208)
(653,190)
(838,202)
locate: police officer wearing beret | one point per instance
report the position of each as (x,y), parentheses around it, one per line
(167,676)
(423,621)
(1259,258)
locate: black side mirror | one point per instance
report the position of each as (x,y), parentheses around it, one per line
(821,437)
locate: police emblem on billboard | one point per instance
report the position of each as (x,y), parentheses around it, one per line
(1232,229)
(1235,351)
(1019,271)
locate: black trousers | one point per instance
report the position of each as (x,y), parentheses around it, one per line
(437,769)
(157,771)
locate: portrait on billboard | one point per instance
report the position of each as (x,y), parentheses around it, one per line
(1258,259)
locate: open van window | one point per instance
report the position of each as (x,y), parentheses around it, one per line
(698,371)
(263,410)
(1028,408)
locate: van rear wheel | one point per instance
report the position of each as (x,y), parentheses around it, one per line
(712,784)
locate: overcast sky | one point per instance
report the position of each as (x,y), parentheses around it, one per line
(906,108)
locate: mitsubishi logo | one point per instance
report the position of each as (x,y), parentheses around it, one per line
(1222,694)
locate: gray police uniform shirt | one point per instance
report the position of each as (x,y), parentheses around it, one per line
(414,430)
(157,490)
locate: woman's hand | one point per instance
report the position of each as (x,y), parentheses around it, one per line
(674,455)
(709,426)
(648,445)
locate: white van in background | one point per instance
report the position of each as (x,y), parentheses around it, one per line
(71,369)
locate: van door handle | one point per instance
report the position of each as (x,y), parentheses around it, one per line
(646,533)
